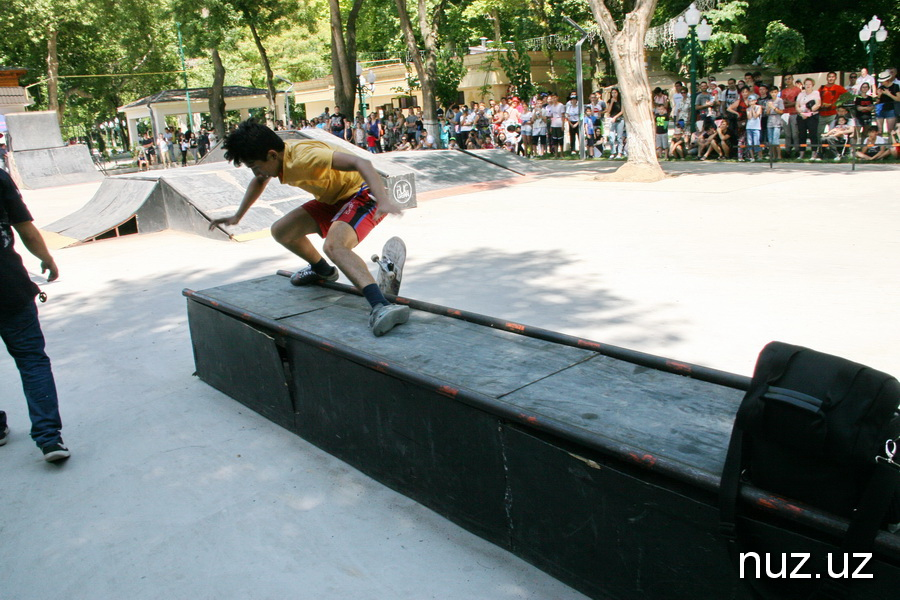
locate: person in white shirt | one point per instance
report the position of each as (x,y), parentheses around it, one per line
(679,100)
(539,131)
(598,104)
(527,130)
(864,77)
(874,146)
(573,117)
(554,112)
(808,103)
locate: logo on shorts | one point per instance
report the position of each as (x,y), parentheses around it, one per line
(402,191)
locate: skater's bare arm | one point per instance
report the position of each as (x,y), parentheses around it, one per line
(350,162)
(254,191)
(33,240)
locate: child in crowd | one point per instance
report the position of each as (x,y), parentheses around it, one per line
(676,144)
(873,147)
(774,108)
(446,129)
(588,125)
(660,114)
(839,136)
(754,126)
(512,138)
(539,132)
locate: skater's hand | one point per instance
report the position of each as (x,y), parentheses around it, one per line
(388,207)
(232,220)
(50,266)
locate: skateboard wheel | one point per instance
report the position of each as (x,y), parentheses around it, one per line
(375,258)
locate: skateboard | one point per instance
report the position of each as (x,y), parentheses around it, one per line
(390,265)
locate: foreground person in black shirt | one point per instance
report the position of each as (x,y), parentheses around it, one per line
(20,328)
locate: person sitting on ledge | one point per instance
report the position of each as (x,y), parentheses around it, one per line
(342,212)
(874,147)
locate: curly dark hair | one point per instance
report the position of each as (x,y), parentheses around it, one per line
(251,141)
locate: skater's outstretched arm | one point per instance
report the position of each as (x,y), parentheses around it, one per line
(254,191)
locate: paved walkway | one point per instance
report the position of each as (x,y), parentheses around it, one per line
(176,491)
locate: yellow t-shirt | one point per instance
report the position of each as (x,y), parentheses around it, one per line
(307,165)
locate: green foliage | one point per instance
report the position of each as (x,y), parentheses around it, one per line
(412,83)
(562,76)
(784,46)
(94,38)
(727,22)
(517,65)
(450,71)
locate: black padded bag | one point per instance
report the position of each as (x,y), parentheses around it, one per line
(813,425)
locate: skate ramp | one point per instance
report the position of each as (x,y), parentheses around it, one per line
(116,202)
(507,160)
(38,157)
(53,167)
(441,169)
(33,131)
(180,199)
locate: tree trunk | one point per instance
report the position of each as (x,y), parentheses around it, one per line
(498,35)
(53,73)
(343,56)
(426,69)
(429,97)
(544,20)
(217,95)
(626,48)
(270,77)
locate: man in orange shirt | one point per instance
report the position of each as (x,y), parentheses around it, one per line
(349,200)
(830,92)
(789,92)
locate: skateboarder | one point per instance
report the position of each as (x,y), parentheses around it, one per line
(350,199)
(19,325)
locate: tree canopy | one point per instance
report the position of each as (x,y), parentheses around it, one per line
(129,48)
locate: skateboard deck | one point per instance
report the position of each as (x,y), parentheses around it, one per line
(390,265)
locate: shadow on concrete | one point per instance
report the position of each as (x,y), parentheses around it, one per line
(532,288)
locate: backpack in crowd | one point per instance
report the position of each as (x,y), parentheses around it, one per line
(822,430)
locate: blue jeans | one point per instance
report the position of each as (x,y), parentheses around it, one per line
(753,140)
(21,332)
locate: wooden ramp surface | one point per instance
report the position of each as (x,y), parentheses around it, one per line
(656,413)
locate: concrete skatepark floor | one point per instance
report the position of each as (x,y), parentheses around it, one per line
(174,490)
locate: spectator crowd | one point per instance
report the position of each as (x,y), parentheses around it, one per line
(745,120)
(173,147)
(748,119)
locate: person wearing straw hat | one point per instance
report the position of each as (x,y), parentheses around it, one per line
(888,94)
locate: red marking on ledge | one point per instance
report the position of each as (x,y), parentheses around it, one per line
(326,347)
(530,419)
(679,366)
(591,345)
(402,300)
(648,460)
(515,327)
(446,390)
(776,503)
(381,367)
(454,312)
